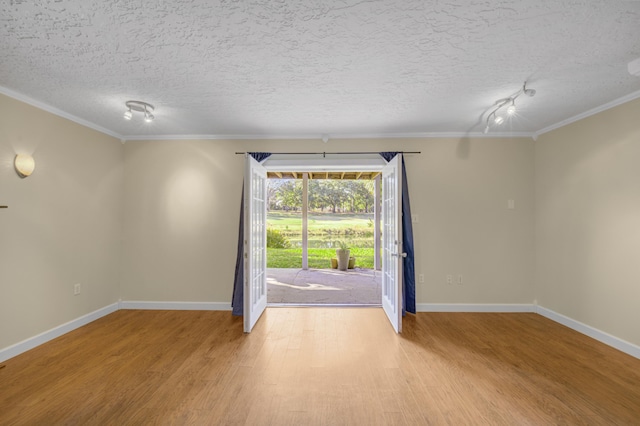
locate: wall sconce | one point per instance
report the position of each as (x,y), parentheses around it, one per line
(24,165)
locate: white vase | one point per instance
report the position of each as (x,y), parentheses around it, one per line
(343,258)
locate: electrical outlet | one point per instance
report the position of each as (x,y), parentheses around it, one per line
(449,279)
(459,279)
(76,289)
(421,278)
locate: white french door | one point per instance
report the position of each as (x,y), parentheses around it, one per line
(255,242)
(392,254)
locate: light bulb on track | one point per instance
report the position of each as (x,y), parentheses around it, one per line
(141,107)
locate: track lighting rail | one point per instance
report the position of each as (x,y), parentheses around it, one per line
(496,119)
(139,106)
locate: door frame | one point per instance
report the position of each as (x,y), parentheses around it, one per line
(336,162)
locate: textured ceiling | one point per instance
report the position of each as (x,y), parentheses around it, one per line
(302,69)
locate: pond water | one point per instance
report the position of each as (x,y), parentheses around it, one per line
(333,242)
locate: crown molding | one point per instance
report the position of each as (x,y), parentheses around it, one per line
(616,102)
(426,135)
(53,110)
(419,135)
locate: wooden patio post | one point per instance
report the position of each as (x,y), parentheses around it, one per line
(377,264)
(305,211)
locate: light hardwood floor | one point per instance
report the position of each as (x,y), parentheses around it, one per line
(308,366)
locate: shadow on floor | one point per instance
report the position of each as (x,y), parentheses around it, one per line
(324,287)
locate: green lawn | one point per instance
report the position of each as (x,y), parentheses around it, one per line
(356,230)
(318,258)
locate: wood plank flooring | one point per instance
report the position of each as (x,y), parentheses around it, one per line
(320,366)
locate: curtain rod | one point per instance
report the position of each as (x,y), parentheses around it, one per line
(335,153)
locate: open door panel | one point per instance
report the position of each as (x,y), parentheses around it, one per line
(255,243)
(392,254)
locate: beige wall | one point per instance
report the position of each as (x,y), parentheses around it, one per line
(158,220)
(63,224)
(182,205)
(588,221)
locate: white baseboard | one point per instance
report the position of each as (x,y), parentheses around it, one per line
(601,336)
(606,338)
(474,307)
(176,306)
(32,342)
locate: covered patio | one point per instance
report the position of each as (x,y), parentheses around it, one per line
(329,287)
(355,169)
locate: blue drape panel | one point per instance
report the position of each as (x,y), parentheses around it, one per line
(237,299)
(408,264)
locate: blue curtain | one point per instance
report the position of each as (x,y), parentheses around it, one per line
(408,269)
(237,299)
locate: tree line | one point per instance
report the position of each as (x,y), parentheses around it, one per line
(336,196)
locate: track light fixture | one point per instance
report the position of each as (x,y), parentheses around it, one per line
(634,67)
(529,92)
(495,117)
(139,106)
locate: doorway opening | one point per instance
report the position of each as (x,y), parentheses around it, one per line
(323,237)
(254,230)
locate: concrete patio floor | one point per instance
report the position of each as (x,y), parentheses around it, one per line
(324,287)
